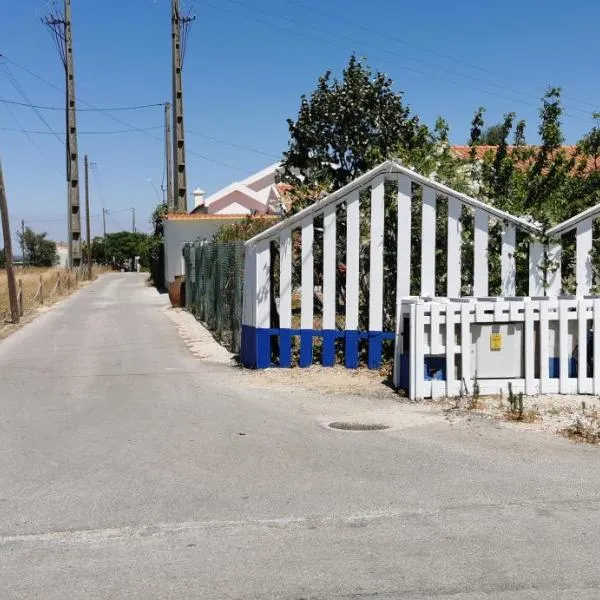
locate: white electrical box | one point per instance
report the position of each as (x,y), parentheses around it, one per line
(497,351)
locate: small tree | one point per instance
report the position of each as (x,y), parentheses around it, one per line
(39,251)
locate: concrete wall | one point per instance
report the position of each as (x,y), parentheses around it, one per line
(179,232)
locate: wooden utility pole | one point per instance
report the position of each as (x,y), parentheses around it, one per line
(180,29)
(104,211)
(60,25)
(23,241)
(169,157)
(8,256)
(133,219)
(87,220)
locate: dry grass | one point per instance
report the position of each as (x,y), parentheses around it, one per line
(586,427)
(530,416)
(50,285)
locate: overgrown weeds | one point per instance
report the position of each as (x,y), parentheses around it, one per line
(586,427)
(516,411)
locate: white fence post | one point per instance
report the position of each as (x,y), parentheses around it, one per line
(329,287)
(376,273)
(480,283)
(428,242)
(584,263)
(403,235)
(536,276)
(352,277)
(508,266)
(285,298)
(454,247)
(554,274)
(308,290)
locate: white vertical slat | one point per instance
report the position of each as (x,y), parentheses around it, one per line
(249,298)
(285,279)
(418,356)
(436,346)
(563,339)
(403,237)
(465,344)
(352,259)
(543,345)
(554,274)
(376,253)
(454,247)
(480,283)
(529,349)
(584,263)
(263,284)
(412,373)
(450,350)
(308,286)
(596,367)
(536,277)
(508,265)
(428,243)
(329,267)
(582,387)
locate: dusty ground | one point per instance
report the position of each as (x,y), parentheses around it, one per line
(373,400)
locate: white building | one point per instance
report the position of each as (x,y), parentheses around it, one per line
(257,195)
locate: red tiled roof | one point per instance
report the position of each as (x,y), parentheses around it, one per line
(480,151)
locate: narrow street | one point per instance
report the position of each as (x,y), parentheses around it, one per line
(131,469)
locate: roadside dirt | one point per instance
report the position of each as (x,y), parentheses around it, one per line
(364,395)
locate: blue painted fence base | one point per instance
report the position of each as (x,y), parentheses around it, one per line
(256,348)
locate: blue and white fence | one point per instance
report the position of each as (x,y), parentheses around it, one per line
(259,330)
(555,346)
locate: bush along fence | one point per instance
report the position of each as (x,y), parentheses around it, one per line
(214,274)
(36,289)
(347,263)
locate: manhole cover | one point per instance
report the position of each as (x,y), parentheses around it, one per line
(358,426)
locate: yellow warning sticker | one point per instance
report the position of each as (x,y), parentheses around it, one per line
(496,341)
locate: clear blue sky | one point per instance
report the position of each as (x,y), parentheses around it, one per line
(248,62)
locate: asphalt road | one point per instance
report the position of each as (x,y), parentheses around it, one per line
(123,474)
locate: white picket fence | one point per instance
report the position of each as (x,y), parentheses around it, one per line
(258,322)
(556,348)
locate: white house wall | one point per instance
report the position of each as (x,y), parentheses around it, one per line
(179,232)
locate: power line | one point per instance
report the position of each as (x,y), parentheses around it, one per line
(467,64)
(13,81)
(404,67)
(122,122)
(109,132)
(231,144)
(61,109)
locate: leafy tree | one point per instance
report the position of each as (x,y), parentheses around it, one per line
(343,129)
(119,249)
(152,256)
(346,127)
(244,230)
(492,135)
(39,251)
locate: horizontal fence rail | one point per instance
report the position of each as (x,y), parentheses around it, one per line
(538,346)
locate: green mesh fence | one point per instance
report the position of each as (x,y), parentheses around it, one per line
(214,282)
